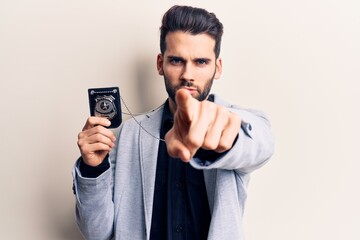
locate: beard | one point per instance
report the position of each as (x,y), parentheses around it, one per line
(202,93)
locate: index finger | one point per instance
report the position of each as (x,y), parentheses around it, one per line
(185,104)
(94,121)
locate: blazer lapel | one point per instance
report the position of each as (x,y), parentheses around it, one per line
(149,147)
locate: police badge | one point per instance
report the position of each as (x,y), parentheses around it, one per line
(105,102)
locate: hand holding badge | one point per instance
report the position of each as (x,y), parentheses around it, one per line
(105,102)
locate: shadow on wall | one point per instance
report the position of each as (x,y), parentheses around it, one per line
(150,85)
(59,211)
(64,227)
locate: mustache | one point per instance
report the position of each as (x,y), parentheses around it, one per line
(186,84)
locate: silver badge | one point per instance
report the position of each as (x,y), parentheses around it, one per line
(105,107)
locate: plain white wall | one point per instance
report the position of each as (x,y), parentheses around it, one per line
(296,60)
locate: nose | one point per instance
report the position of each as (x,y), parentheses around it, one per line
(188,73)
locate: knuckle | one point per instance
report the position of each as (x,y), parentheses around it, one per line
(105,147)
(100,138)
(194,141)
(224,146)
(79,142)
(222,111)
(227,145)
(100,146)
(91,120)
(84,149)
(80,135)
(209,145)
(171,150)
(98,128)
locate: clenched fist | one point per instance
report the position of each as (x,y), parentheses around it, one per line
(95,141)
(200,124)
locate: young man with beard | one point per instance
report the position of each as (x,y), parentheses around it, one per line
(193,184)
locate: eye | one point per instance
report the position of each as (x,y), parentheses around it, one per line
(176,61)
(202,61)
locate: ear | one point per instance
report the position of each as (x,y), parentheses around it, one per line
(218,68)
(159,64)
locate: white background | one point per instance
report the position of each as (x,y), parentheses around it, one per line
(298,61)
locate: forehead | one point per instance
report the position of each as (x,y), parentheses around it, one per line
(185,44)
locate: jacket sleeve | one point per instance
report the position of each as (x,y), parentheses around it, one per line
(94,202)
(252,149)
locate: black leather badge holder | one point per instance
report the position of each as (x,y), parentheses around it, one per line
(105,102)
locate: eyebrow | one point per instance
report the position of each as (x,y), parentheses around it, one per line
(175,57)
(196,59)
(203,59)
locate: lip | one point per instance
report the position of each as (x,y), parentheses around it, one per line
(190,89)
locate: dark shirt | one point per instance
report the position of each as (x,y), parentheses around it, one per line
(180,208)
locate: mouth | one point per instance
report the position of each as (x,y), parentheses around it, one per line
(192,90)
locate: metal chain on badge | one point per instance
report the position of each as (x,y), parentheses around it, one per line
(138,123)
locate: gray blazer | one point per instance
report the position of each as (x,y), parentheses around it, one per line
(118,203)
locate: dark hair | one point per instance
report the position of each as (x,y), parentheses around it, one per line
(192,20)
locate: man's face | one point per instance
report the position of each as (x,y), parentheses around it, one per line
(189,62)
